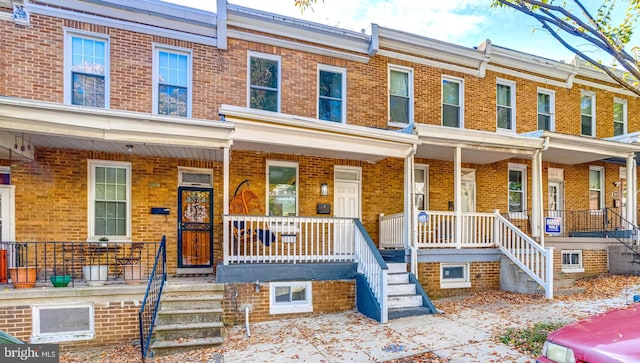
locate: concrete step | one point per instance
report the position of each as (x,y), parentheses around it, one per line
(180,302)
(190,288)
(404,301)
(168,317)
(397,313)
(398,278)
(175,346)
(563,283)
(189,331)
(402,289)
(395,267)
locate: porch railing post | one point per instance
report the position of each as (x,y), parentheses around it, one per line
(497,236)
(225,239)
(548,272)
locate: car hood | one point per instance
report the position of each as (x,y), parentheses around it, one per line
(613,336)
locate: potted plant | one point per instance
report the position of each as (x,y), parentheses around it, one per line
(96,274)
(134,273)
(22,276)
(60,277)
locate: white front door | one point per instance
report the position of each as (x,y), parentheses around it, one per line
(556,200)
(346,205)
(468,186)
(7,226)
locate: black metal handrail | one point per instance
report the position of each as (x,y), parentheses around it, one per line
(150,304)
(574,223)
(628,233)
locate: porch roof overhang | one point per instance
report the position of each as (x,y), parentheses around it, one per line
(45,124)
(288,134)
(478,147)
(572,149)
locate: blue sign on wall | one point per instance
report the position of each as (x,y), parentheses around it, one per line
(423,217)
(553,225)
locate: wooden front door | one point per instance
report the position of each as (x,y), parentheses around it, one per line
(195,227)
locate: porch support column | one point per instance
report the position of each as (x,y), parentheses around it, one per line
(225,204)
(540,198)
(457,191)
(408,195)
(537,214)
(631,190)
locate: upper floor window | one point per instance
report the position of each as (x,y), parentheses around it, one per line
(619,117)
(331,93)
(264,82)
(172,81)
(546,119)
(452,101)
(517,187)
(596,192)
(506,105)
(400,95)
(109,200)
(282,189)
(86,69)
(588,114)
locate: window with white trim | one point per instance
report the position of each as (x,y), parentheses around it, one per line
(86,69)
(546,109)
(454,275)
(263,82)
(517,187)
(332,86)
(619,116)
(506,105)
(572,261)
(588,114)
(282,188)
(596,185)
(171,81)
(61,323)
(421,187)
(290,297)
(452,101)
(400,95)
(109,200)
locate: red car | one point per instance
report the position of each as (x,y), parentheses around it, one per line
(613,336)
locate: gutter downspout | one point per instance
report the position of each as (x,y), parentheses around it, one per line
(221,24)
(374,44)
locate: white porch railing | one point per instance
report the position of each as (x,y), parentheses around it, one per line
(373,267)
(532,258)
(392,231)
(439,230)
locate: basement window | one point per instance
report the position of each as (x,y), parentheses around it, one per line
(290,297)
(572,261)
(62,323)
(453,276)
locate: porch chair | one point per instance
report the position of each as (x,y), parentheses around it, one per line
(248,203)
(133,257)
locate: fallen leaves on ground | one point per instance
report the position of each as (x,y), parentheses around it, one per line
(129,353)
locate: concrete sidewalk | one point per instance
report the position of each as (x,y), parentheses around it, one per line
(466,335)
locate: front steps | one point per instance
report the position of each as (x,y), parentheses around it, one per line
(190,317)
(403,295)
(512,278)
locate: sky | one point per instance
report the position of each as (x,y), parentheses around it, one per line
(463,22)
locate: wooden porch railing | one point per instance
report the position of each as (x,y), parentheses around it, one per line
(372,266)
(392,231)
(438,231)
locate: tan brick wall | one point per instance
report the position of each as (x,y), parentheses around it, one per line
(483,275)
(328,297)
(594,262)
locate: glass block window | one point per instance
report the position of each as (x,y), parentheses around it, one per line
(264,82)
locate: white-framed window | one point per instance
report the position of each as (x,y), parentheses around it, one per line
(454,275)
(596,188)
(572,261)
(172,72)
(62,322)
(400,95)
(546,109)
(282,188)
(290,297)
(332,93)
(588,114)
(452,101)
(421,186)
(517,188)
(86,68)
(506,105)
(195,177)
(263,81)
(619,116)
(109,206)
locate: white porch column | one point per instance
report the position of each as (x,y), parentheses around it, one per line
(535,195)
(408,195)
(225,204)
(540,199)
(631,190)
(457,197)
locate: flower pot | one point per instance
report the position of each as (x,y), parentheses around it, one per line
(23,277)
(95,275)
(133,274)
(60,280)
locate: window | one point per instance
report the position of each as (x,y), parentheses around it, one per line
(619,117)
(331,93)
(546,106)
(86,69)
(109,200)
(264,82)
(172,81)
(588,114)
(572,261)
(400,95)
(506,105)
(517,187)
(454,276)
(596,181)
(282,188)
(452,102)
(421,187)
(61,323)
(290,297)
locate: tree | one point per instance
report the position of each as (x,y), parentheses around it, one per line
(572,21)
(305,4)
